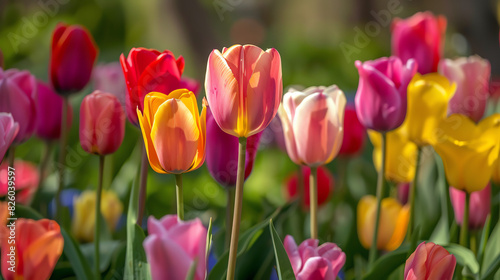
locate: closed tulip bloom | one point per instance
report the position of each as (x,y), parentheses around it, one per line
(468,151)
(39,244)
(173,245)
(400,155)
(73,54)
(419,37)
(354,133)
(430,261)
(393,222)
(480,202)
(381,96)
(222,153)
(109,78)
(174,134)
(18,95)
(313,123)
(325,186)
(428,98)
(146,71)
(48,113)
(83,222)
(312,262)
(472,76)
(26,180)
(102,123)
(8,131)
(244,87)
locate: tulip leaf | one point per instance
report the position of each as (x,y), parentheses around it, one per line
(283,266)
(27,212)
(484,239)
(493,269)
(492,250)
(106,251)
(389,262)
(72,251)
(209,239)
(464,256)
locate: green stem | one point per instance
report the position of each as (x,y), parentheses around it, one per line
(413,196)
(98,217)
(238,201)
(229,215)
(464,232)
(62,156)
(313,201)
(43,169)
(179,196)
(143,184)
(380,194)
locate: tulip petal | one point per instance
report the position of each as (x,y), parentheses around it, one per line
(416,263)
(399,229)
(334,254)
(161,251)
(41,256)
(293,253)
(316,268)
(443,269)
(291,146)
(148,142)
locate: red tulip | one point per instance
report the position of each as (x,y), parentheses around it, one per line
(325,185)
(27,177)
(102,123)
(430,262)
(354,133)
(148,71)
(48,113)
(72,58)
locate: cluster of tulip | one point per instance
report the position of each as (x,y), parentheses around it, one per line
(412,104)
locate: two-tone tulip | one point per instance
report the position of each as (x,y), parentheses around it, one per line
(480,202)
(48,113)
(430,261)
(8,131)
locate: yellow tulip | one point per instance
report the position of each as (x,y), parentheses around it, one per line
(84,213)
(400,160)
(428,98)
(468,151)
(174,134)
(393,222)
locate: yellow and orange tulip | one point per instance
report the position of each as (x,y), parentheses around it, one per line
(174,134)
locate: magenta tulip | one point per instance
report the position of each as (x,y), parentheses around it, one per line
(18,95)
(430,262)
(173,245)
(222,153)
(109,78)
(48,113)
(480,202)
(310,262)
(472,76)
(354,133)
(381,96)
(102,123)
(190,84)
(419,37)
(8,131)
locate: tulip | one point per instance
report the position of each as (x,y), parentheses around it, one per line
(480,202)
(325,186)
(428,98)
(494,88)
(72,58)
(472,76)
(419,37)
(190,84)
(173,132)
(172,246)
(222,153)
(102,123)
(8,131)
(403,190)
(430,261)
(400,155)
(354,133)
(381,96)
(48,113)
(468,151)
(109,78)
(244,87)
(392,227)
(83,222)
(26,180)
(39,244)
(148,71)
(18,95)
(312,262)
(313,124)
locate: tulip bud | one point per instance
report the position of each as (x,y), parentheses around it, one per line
(27,178)
(429,262)
(49,112)
(354,133)
(8,131)
(72,58)
(102,123)
(325,186)
(480,202)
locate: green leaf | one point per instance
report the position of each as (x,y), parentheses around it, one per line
(389,262)
(106,250)
(27,212)
(72,251)
(209,239)
(283,266)
(484,239)
(492,250)
(464,256)
(192,270)
(492,269)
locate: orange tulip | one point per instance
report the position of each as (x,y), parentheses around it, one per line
(38,245)
(174,134)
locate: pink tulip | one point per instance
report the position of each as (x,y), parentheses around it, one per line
(354,133)
(313,124)
(18,95)
(26,179)
(310,262)
(494,88)
(109,78)
(102,123)
(480,202)
(472,76)
(429,262)
(419,37)
(190,84)
(8,131)
(382,89)
(48,113)
(172,246)
(403,191)
(244,88)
